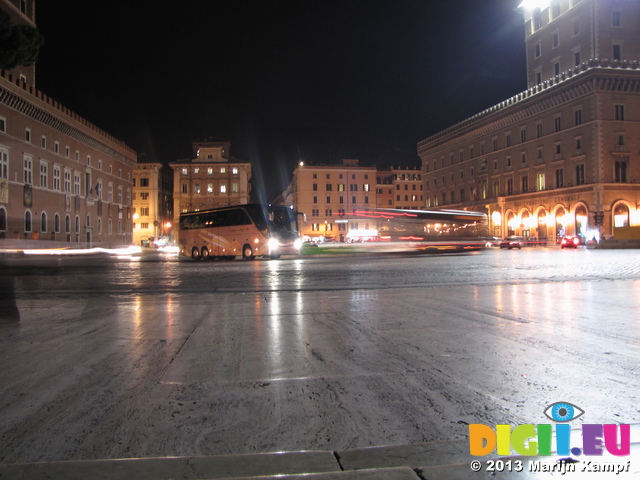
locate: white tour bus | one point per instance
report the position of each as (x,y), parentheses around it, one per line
(248,230)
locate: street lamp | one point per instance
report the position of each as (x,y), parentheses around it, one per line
(533,4)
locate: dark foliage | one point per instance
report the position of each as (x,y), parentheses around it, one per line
(19,44)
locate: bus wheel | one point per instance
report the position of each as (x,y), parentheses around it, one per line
(195,253)
(275,257)
(205,253)
(247,252)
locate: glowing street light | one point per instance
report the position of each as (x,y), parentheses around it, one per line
(533,4)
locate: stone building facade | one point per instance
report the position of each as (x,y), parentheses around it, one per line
(211,179)
(63,181)
(328,196)
(152,203)
(562,157)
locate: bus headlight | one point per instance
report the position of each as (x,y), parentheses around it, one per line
(297,244)
(273,244)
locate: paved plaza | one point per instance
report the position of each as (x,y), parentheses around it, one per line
(139,359)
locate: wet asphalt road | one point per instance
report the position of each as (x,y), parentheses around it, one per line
(120,359)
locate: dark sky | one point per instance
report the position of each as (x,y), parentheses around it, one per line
(283,80)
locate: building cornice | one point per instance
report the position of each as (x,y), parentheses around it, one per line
(17,99)
(591,76)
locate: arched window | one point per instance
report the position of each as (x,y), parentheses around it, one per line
(582,220)
(67,224)
(3,219)
(27,221)
(56,223)
(621,216)
(77,224)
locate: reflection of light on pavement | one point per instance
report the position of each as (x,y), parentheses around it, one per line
(131,250)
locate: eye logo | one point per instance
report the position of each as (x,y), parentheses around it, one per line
(563,412)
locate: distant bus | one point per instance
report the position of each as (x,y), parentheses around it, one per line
(426,230)
(249,230)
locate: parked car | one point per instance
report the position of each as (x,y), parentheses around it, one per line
(512,242)
(570,241)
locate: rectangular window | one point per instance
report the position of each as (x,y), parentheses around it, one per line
(558,124)
(576,59)
(27,173)
(509,186)
(76,183)
(578,117)
(27,135)
(4,163)
(223,188)
(619,112)
(525,184)
(235,187)
(209,187)
(3,125)
(56,177)
(184,171)
(144,182)
(540,181)
(539,130)
(184,188)
(523,135)
(559,178)
(620,172)
(616,19)
(580,174)
(616,52)
(196,188)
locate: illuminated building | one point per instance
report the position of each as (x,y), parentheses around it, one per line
(327,194)
(211,179)
(399,188)
(562,157)
(152,203)
(62,179)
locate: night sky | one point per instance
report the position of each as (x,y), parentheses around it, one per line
(282,80)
